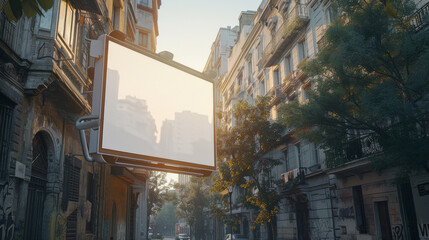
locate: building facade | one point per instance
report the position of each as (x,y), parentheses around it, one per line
(49,191)
(318,202)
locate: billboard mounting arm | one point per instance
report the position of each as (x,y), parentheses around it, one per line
(83,123)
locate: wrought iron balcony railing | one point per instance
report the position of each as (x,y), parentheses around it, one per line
(276,95)
(293,23)
(7,31)
(288,82)
(420,18)
(299,73)
(354,149)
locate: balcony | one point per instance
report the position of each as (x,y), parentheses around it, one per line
(92,6)
(299,73)
(288,82)
(293,178)
(7,31)
(322,43)
(295,22)
(420,18)
(276,95)
(354,149)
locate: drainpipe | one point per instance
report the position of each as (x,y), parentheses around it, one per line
(83,123)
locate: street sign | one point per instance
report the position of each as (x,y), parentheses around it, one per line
(153,112)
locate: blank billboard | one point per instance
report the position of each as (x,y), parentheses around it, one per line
(155,110)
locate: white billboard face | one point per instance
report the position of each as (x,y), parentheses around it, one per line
(153,111)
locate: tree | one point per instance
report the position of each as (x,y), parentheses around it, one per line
(371,88)
(165,221)
(157,193)
(14,8)
(242,163)
(193,205)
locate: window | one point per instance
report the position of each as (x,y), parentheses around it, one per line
(330,14)
(249,66)
(302,98)
(302,50)
(116,16)
(6,117)
(288,65)
(67,23)
(298,154)
(262,88)
(143,39)
(240,80)
(286,163)
(260,48)
(276,77)
(144,3)
(71,181)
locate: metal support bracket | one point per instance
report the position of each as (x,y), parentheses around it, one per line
(83,123)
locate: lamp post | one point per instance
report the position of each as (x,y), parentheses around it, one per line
(230,210)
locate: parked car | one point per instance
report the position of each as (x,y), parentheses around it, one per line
(235,237)
(183,236)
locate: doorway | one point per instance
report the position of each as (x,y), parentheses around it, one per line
(36,189)
(382,220)
(302,218)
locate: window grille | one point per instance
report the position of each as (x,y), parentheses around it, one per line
(6,117)
(71,182)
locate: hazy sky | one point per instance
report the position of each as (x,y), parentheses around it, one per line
(187,28)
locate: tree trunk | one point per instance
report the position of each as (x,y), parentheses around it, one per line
(271,229)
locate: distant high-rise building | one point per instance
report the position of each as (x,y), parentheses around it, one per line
(217,61)
(182,136)
(135,118)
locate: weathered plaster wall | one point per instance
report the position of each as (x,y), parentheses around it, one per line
(116,194)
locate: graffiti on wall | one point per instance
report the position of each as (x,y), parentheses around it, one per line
(347,212)
(424,230)
(321,228)
(7,219)
(398,232)
(61,227)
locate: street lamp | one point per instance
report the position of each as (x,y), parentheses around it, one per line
(230,209)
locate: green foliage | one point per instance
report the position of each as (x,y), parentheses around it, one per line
(157,192)
(241,157)
(165,221)
(15,8)
(371,88)
(193,204)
